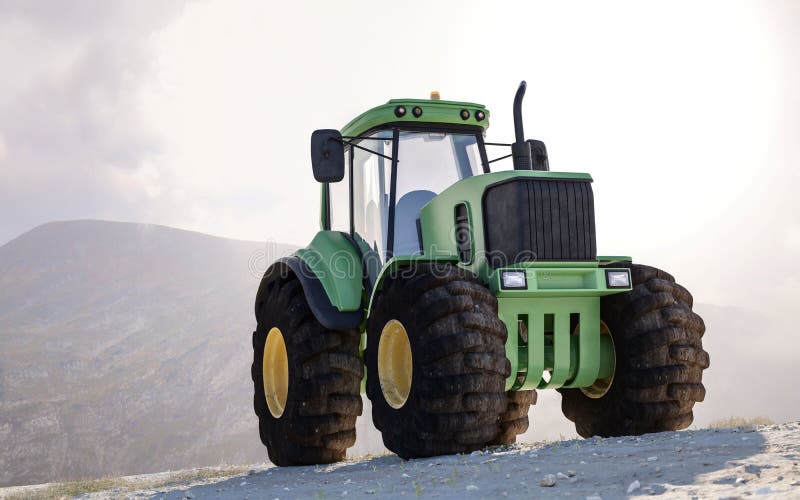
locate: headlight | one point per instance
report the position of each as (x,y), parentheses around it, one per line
(618,279)
(513,280)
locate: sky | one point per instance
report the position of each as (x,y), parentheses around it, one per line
(198,114)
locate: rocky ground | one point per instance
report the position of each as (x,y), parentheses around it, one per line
(728,463)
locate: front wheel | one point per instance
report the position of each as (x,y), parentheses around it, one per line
(660,361)
(436,364)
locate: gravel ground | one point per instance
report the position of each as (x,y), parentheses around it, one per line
(729,463)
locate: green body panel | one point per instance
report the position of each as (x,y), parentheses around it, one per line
(433,112)
(573,357)
(571,360)
(437,217)
(337,265)
(607,360)
(606,357)
(611,259)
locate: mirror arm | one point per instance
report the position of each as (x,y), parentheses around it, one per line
(362,148)
(367,138)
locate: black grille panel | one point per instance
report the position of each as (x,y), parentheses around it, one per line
(539,219)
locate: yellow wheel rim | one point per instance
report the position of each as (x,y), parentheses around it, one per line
(602,385)
(394,364)
(275,372)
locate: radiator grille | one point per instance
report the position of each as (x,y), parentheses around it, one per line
(539,219)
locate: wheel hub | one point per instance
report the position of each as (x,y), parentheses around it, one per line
(275,372)
(395,367)
(602,385)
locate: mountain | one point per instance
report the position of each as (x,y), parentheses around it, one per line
(125,348)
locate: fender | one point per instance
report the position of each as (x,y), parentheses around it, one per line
(329,270)
(401,261)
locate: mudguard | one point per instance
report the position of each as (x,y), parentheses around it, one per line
(396,263)
(329,270)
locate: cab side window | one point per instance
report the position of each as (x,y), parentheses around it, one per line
(371,181)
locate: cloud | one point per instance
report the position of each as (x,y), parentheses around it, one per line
(73,138)
(3,148)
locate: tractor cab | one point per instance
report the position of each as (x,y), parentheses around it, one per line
(395,159)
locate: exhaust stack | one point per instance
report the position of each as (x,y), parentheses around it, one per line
(520,150)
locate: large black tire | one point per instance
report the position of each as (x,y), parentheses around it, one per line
(660,361)
(514,421)
(325,370)
(459,364)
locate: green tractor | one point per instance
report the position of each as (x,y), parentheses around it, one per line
(450,294)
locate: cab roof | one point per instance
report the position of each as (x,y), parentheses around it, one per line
(433,112)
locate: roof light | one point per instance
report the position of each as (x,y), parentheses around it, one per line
(435,95)
(480,115)
(465,114)
(400,111)
(417,111)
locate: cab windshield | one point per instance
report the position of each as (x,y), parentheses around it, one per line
(427,164)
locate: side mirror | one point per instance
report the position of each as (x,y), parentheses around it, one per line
(327,155)
(539,159)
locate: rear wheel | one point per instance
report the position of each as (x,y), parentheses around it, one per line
(660,361)
(306,379)
(514,421)
(436,364)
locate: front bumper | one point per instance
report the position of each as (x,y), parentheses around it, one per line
(553,326)
(545,282)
